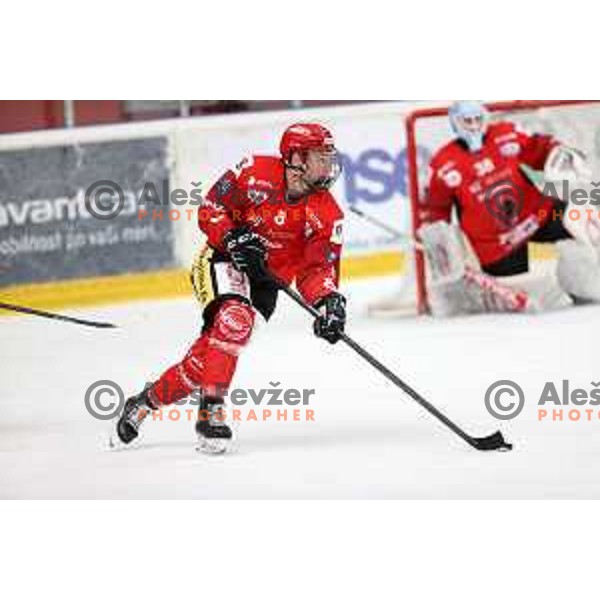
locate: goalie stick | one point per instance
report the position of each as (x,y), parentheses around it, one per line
(491,442)
(55,316)
(403,237)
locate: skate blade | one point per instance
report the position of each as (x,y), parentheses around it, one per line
(114,444)
(113,441)
(212,447)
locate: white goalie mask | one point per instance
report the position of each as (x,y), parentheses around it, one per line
(469,121)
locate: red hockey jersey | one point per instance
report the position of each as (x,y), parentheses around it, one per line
(499,208)
(303,237)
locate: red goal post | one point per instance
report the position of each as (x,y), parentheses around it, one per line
(419,119)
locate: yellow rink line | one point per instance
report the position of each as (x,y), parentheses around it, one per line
(98,290)
(170,283)
(174,283)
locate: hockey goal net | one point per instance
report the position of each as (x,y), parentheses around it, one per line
(573,122)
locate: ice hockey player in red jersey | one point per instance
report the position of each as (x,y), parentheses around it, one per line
(267,215)
(481,176)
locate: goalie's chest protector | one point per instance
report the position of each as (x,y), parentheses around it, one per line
(494,195)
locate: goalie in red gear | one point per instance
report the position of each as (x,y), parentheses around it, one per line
(480,173)
(499,209)
(267,215)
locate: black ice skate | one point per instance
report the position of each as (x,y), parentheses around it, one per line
(132,416)
(214,435)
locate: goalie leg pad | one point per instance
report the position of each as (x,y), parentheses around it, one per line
(578,270)
(447,251)
(457,285)
(445,256)
(542,289)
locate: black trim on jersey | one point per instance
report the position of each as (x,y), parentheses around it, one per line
(263,293)
(517,262)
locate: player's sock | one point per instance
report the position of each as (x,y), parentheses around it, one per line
(208,368)
(210,363)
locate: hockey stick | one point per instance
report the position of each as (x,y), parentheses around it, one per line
(494,441)
(403,237)
(48,315)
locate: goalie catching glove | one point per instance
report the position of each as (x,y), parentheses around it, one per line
(246,250)
(567,164)
(330,325)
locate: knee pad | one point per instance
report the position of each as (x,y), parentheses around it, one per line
(211,362)
(232,325)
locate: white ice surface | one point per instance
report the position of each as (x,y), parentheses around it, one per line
(368,441)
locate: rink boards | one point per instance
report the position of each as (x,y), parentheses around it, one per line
(53,253)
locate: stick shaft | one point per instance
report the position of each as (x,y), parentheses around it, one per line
(55,316)
(382,368)
(403,237)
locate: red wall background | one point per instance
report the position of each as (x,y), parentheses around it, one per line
(27,115)
(24,115)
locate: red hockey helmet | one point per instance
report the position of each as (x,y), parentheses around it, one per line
(305,136)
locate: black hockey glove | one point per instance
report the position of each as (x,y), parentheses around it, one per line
(246,250)
(330,325)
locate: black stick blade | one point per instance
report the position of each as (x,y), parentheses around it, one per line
(494,442)
(96,324)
